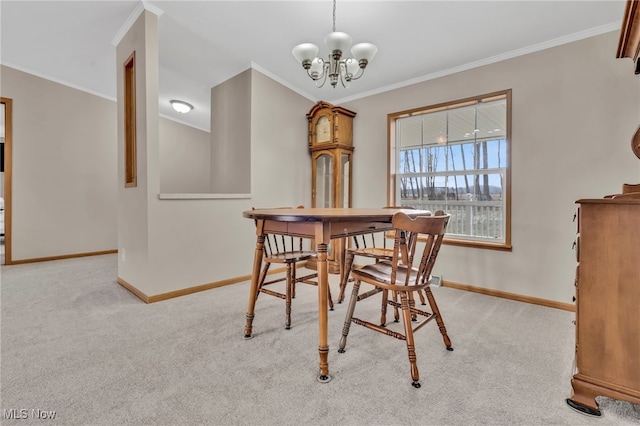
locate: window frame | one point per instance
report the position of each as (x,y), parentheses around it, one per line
(392,160)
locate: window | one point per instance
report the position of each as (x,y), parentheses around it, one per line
(456,157)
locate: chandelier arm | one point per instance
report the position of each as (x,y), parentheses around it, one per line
(310,73)
(357,75)
(324,80)
(343,72)
(323,76)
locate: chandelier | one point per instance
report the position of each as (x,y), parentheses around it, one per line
(335,66)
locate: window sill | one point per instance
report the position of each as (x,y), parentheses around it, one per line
(478,244)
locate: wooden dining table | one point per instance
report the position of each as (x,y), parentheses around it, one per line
(322,225)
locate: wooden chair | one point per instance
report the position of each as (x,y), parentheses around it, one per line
(372,245)
(401,276)
(288,251)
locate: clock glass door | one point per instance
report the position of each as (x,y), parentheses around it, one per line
(324,181)
(345,173)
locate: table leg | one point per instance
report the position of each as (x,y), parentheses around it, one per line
(253,293)
(323,313)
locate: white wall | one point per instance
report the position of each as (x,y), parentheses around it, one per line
(575,108)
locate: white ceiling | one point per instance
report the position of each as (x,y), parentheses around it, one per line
(203,43)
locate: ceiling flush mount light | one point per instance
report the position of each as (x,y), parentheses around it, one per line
(335,67)
(181,107)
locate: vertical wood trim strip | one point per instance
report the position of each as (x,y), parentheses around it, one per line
(130,142)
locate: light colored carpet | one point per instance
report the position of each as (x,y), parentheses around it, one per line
(76,342)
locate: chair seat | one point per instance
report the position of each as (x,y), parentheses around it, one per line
(379,274)
(290,256)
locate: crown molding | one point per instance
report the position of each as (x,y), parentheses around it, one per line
(137,10)
(57,80)
(592,32)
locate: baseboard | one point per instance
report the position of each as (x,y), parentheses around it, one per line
(64,256)
(183,292)
(190,290)
(140,294)
(512,296)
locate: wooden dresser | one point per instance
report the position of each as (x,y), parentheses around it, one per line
(607,302)
(608,277)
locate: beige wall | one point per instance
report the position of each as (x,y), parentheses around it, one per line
(168,245)
(280,157)
(231,135)
(185,154)
(135,227)
(64,168)
(196,242)
(575,108)
(91,161)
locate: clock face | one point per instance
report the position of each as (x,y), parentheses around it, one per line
(323,130)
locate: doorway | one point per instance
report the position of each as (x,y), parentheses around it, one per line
(5,180)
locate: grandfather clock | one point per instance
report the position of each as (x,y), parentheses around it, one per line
(331,146)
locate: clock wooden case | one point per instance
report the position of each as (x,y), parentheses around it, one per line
(331,147)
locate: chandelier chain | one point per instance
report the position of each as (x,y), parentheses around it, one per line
(334,16)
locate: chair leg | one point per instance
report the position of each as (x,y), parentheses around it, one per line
(439,320)
(408,332)
(422,301)
(349,315)
(396,312)
(412,305)
(383,308)
(263,276)
(329,296)
(293,279)
(348,263)
(288,293)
